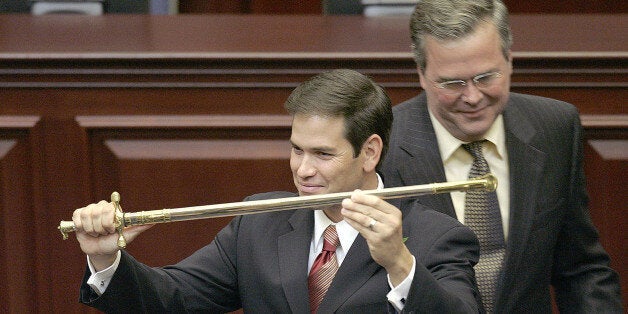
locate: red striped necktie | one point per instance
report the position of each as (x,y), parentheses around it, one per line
(324,268)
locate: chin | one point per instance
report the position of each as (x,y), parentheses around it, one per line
(476,129)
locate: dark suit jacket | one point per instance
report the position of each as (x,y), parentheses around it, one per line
(552,239)
(259,262)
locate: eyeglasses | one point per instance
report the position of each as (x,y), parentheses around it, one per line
(483,80)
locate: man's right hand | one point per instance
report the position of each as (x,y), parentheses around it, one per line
(97,235)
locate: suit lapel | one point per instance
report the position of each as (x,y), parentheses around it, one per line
(293,251)
(525,163)
(357,268)
(419,141)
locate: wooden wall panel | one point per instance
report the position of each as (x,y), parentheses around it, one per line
(167,161)
(285,7)
(213,6)
(18,218)
(567,6)
(187,166)
(252,6)
(606,166)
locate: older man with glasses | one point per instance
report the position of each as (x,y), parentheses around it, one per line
(535,231)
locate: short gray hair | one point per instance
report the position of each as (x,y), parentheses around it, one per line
(454,19)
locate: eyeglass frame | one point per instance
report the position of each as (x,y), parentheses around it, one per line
(464,83)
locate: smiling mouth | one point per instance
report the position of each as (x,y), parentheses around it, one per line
(473,109)
(476,112)
(309,188)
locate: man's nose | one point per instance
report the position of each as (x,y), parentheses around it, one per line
(471,93)
(306,167)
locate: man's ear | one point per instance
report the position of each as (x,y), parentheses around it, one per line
(372,150)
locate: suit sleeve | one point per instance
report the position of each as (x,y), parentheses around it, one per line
(186,286)
(444,280)
(581,275)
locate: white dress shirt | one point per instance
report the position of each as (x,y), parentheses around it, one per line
(346,235)
(457,162)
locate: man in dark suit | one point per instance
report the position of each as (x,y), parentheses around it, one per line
(543,235)
(341,124)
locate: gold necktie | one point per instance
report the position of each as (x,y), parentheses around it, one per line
(482,215)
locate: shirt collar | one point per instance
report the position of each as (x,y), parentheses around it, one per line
(346,233)
(380,182)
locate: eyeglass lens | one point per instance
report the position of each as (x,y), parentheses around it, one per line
(481,81)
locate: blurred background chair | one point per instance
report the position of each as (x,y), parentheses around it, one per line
(342,7)
(92,7)
(388,7)
(369,7)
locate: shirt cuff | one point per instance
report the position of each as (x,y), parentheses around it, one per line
(99,281)
(397,295)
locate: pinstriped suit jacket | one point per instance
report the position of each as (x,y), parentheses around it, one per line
(259,262)
(551,237)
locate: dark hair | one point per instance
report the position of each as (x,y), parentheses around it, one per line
(454,19)
(364,105)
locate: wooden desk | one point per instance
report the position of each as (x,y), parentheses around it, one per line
(187,110)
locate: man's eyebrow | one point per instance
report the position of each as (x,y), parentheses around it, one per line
(446,79)
(324,149)
(316,148)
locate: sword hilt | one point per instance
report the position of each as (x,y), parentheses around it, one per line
(68,226)
(118,219)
